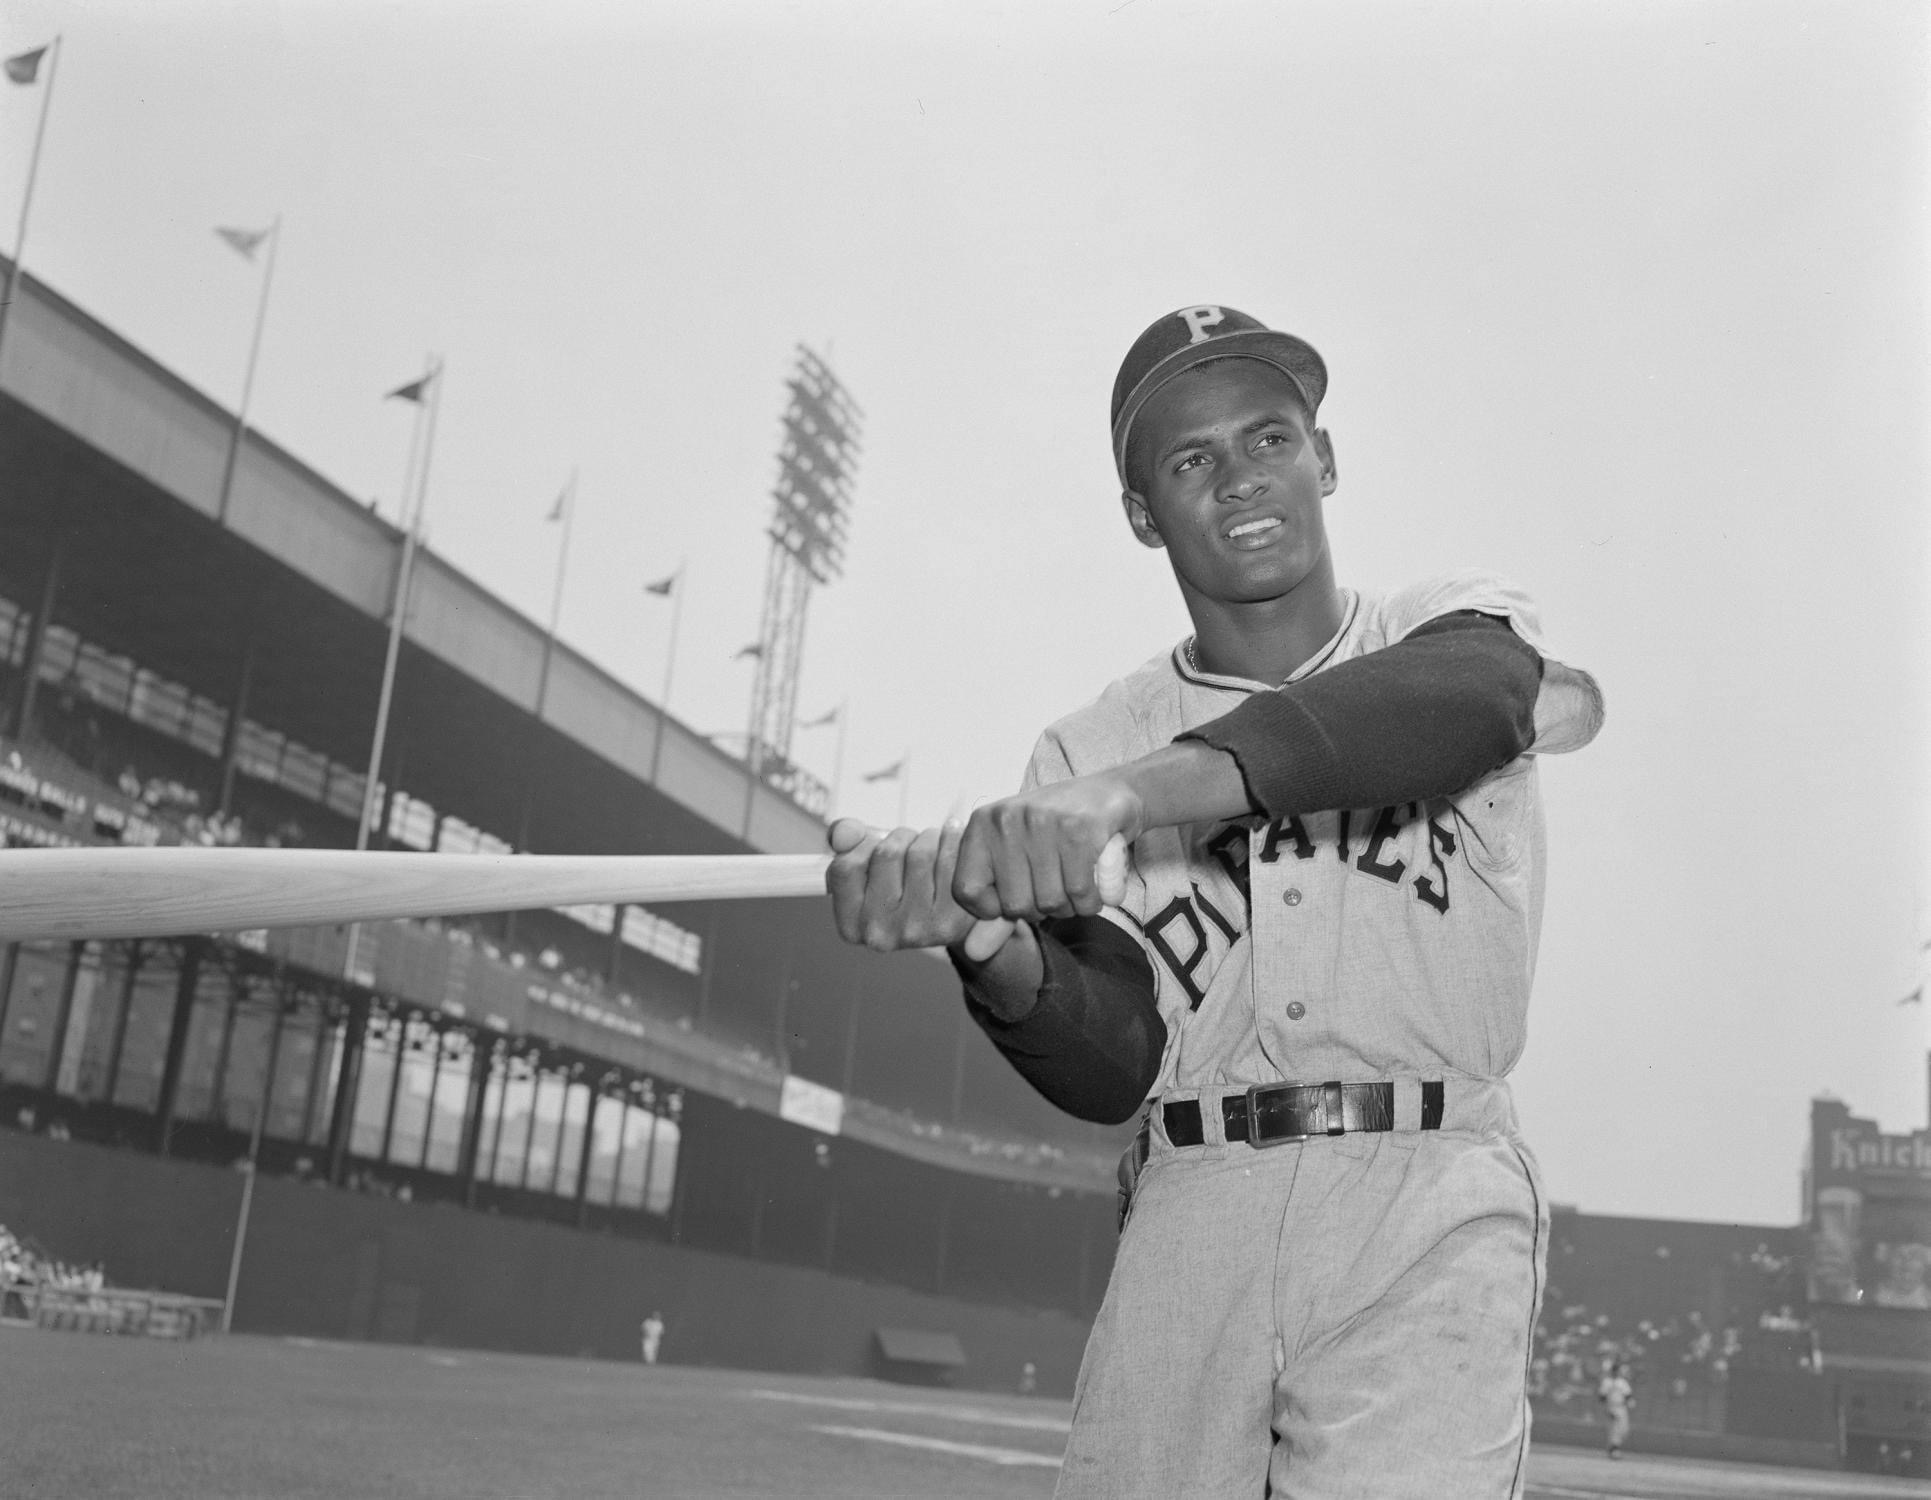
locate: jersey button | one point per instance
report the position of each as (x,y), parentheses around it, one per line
(1291,896)
(1295,1010)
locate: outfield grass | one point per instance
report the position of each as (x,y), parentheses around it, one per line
(86,1417)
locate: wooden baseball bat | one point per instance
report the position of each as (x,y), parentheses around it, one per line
(129,893)
(126,893)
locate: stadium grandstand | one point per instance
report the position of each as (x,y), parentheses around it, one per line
(718,1109)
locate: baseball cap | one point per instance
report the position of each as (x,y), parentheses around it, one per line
(1192,335)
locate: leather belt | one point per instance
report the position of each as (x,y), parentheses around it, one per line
(1272,1114)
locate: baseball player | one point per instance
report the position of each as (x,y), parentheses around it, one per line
(1315,985)
(1616,1393)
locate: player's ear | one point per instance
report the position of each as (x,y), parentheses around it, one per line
(1330,472)
(1141,519)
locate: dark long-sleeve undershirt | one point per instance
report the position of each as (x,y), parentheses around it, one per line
(1423,718)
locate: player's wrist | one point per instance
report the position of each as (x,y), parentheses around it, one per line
(1185,782)
(1007,984)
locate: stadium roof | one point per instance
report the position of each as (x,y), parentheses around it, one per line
(102,444)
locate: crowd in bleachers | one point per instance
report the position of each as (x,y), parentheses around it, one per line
(1678,1357)
(23,1262)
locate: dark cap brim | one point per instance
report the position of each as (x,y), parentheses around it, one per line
(1295,358)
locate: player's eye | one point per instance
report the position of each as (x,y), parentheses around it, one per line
(1190,461)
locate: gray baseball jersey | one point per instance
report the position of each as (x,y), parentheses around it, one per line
(1373,943)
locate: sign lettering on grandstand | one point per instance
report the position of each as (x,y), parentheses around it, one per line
(811,1105)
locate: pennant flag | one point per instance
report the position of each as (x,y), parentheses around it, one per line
(24,67)
(1916,997)
(244,241)
(556,511)
(830,716)
(890,773)
(413,391)
(663,586)
(752,651)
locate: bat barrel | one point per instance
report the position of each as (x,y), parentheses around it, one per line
(127,893)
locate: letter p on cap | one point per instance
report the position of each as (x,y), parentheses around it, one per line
(1199,320)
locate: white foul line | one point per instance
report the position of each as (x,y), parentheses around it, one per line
(984,1416)
(1004,1456)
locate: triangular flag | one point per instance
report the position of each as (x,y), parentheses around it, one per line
(662,586)
(413,391)
(830,716)
(890,773)
(752,651)
(24,67)
(556,511)
(1916,997)
(245,241)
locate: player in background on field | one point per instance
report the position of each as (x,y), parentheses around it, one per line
(1315,984)
(1616,1393)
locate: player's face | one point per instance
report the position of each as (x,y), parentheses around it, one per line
(1234,476)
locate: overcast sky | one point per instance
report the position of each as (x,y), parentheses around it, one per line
(1625,300)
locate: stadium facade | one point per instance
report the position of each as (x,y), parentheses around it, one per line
(528,1131)
(701,1093)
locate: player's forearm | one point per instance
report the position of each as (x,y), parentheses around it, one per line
(1090,1037)
(1423,718)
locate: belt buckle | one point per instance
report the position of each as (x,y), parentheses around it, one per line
(1254,1137)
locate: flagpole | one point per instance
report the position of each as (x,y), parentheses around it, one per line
(670,664)
(904,786)
(568,507)
(27,199)
(405,576)
(248,380)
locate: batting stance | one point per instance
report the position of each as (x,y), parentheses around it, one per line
(1317,982)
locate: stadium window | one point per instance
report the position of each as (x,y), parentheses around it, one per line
(652,934)
(372,1086)
(83,1042)
(606,1146)
(410,1118)
(13,633)
(546,1125)
(411,821)
(448,1104)
(107,679)
(58,653)
(144,1041)
(514,1123)
(302,771)
(576,1115)
(30,1012)
(342,790)
(295,1059)
(207,725)
(258,752)
(661,1177)
(634,1164)
(157,703)
(205,1058)
(250,1038)
(489,1131)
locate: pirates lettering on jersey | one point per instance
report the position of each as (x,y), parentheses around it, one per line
(1404,846)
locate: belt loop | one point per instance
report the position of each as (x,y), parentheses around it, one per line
(1331,1107)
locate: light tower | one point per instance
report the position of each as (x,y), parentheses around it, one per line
(816,462)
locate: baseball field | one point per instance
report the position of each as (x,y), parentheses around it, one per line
(94,1418)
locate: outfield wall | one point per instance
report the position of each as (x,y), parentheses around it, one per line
(326,1263)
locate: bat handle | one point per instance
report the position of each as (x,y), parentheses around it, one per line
(989,935)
